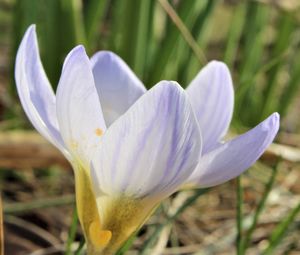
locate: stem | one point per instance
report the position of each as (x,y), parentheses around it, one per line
(72,233)
(239,217)
(281,229)
(260,207)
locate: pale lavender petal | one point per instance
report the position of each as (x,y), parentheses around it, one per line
(151,149)
(78,109)
(212,97)
(234,157)
(35,92)
(117,86)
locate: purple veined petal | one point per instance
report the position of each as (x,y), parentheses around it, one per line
(212,97)
(79,113)
(117,86)
(234,157)
(151,149)
(35,92)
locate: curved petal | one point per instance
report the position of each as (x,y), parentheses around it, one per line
(212,97)
(117,86)
(78,108)
(152,148)
(233,157)
(35,92)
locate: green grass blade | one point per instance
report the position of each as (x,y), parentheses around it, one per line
(49,34)
(80,247)
(186,35)
(202,32)
(115,29)
(263,69)
(72,23)
(143,37)
(260,207)
(279,232)
(132,32)
(22,207)
(257,19)
(182,52)
(149,243)
(291,89)
(282,43)
(126,28)
(24,14)
(235,33)
(163,54)
(93,15)
(72,233)
(199,31)
(55,20)
(239,217)
(127,245)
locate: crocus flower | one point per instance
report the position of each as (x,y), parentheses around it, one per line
(131,148)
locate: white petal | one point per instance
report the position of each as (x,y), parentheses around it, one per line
(117,86)
(35,91)
(78,108)
(152,148)
(232,158)
(212,97)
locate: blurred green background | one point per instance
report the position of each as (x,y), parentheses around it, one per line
(173,40)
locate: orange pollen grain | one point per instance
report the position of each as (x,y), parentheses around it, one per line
(99,131)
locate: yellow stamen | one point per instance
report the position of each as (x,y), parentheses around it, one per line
(99,238)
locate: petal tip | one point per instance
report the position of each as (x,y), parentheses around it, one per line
(104,55)
(276,116)
(218,64)
(216,68)
(169,84)
(79,50)
(32,27)
(78,53)
(28,48)
(236,156)
(29,36)
(107,53)
(169,88)
(273,120)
